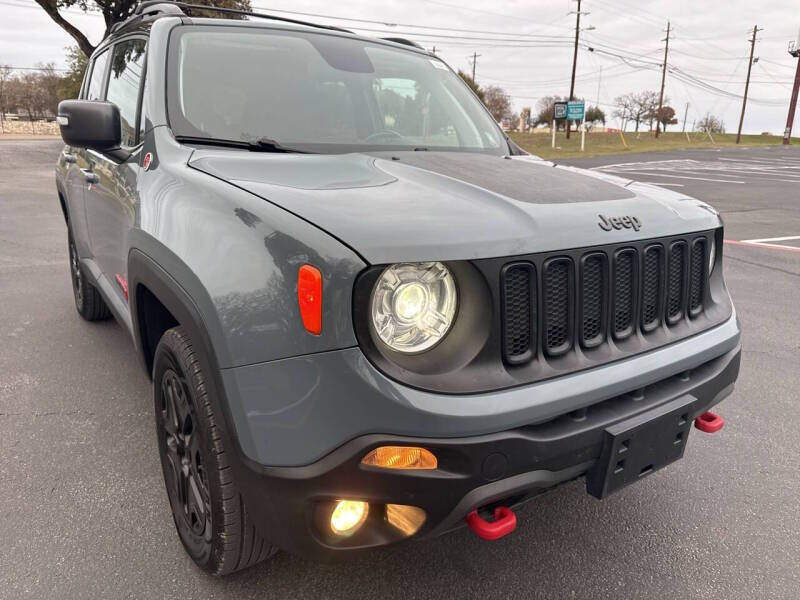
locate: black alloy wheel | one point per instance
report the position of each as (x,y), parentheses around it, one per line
(88,301)
(186,477)
(210,514)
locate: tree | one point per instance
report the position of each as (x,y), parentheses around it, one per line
(5,78)
(666,116)
(513,122)
(644,106)
(70,85)
(471,83)
(498,102)
(625,108)
(594,115)
(711,124)
(46,84)
(113,11)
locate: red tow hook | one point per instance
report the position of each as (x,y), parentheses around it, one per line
(709,422)
(505,521)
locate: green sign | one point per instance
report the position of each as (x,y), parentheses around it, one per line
(560,110)
(575,110)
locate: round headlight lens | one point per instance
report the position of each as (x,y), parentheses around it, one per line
(413,305)
(712,256)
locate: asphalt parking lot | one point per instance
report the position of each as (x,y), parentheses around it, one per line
(83,512)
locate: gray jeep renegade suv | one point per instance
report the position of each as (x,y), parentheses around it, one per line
(368,316)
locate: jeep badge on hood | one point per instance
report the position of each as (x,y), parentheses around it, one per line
(624,222)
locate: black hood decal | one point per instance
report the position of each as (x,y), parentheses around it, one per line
(523,179)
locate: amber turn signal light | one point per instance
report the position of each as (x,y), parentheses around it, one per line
(400,457)
(309,298)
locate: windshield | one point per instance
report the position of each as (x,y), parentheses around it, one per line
(320,93)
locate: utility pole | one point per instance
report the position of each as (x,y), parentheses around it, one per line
(663,80)
(574,58)
(685,114)
(794,50)
(474,60)
(747,83)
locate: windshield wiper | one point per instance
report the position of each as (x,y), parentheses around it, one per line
(267,145)
(259,145)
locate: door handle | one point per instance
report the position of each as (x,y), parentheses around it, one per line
(68,158)
(89,176)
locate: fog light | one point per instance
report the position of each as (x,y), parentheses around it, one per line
(400,457)
(408,519)
(348,516)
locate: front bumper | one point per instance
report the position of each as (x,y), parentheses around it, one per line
(510,466)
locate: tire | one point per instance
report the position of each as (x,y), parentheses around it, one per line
(88,301)
(207,508)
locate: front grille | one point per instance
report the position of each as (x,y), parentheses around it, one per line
(592,296)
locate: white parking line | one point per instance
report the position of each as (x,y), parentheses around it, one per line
(763,245)
(775,239)
(684,177)
(719,170)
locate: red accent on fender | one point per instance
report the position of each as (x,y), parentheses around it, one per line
(123,284)
(309,298)
(709,422)
(505,521)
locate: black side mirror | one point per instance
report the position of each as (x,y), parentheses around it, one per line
(89,124)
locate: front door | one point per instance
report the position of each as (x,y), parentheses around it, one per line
(111,195)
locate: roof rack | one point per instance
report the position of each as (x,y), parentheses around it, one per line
(404,41)
(150,8)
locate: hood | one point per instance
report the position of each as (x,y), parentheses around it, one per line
(417,206)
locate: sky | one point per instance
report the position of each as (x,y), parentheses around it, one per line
(526,46)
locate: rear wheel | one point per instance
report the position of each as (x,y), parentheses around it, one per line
(88,301)
(209,513)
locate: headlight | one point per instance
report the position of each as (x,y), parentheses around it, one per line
(712,256)
(413,305)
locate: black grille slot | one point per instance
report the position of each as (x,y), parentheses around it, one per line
(675,282)
(593,295)
(624,292)
(651,287)
(518,288)
(557,305)
(697,277)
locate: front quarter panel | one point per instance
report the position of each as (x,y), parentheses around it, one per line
(237,256)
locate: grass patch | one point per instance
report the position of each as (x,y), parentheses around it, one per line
(599,143)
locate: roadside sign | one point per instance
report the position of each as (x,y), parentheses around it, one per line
(560,110)
(575,110)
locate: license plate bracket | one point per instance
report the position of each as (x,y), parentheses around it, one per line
(640,446)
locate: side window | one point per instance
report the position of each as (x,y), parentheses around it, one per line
(95,88)
(123,86)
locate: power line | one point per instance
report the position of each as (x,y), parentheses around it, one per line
(412,25)
(35,69)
